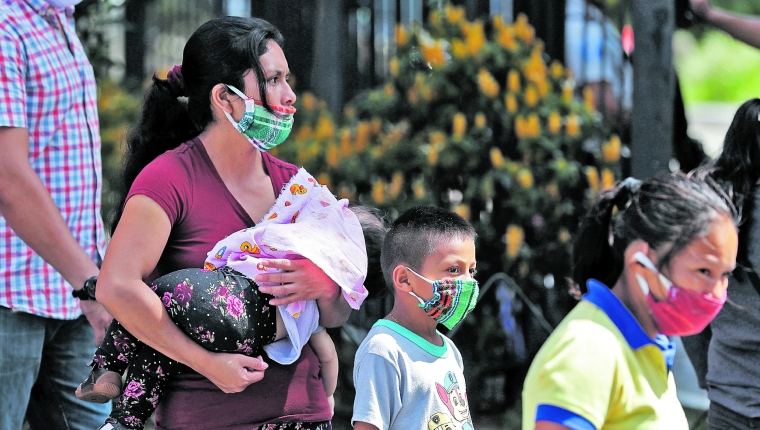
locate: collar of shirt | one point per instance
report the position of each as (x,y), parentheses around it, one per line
(601,296)
(48,12)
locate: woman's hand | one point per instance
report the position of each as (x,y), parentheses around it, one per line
(700,7)
(298,280)
(302,280)
(232,373)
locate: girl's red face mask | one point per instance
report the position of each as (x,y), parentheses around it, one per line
(683,312)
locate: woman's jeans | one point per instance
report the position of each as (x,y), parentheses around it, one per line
(722,418)
(42,360)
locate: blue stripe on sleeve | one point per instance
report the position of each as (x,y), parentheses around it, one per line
(562,416)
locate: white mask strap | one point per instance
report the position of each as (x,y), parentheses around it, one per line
(646,262)
(422,277)
(238,92)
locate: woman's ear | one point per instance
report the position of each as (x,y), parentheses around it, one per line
(401,279)
(633,248)
(221,99)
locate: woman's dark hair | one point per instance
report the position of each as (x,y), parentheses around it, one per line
(222,50)
(667,212)
(374,227)
(737,170)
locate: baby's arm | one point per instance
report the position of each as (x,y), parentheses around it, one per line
(324,348)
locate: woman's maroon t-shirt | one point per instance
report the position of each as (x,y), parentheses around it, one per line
(202,211)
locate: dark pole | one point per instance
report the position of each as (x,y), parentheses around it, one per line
(134,70)
(653,86)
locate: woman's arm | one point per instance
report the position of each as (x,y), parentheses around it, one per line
(303,280)
(133,253)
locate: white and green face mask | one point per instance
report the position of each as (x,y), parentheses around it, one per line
(264,129)
(453,299)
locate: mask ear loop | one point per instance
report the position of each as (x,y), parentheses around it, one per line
(436,294)
(646,262)
(238,92)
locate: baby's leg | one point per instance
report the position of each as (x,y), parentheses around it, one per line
(109,362)
(116,350)
(144,385)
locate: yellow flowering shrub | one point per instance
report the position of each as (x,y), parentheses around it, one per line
(474,117)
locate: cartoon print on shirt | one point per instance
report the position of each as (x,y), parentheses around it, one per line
(440,421)
(455,400)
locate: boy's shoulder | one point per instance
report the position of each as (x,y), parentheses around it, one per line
(392,341)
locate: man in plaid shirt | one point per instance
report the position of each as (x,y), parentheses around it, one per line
(51,232)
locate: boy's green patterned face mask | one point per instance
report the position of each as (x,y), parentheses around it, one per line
(264,129)
(452,299)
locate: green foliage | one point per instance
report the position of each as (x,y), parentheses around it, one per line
(471,118)
(717,68)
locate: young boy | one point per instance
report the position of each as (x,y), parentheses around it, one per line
(407,374)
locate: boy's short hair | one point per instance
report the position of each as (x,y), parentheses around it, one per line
(416,234)
(374,227)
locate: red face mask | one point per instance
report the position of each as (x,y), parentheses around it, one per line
(683,312)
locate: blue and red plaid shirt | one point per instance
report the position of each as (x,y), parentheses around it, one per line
(47,86)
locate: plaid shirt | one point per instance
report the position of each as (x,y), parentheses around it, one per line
(47,86)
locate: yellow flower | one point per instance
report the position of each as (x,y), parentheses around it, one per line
(362,136)
(393,67)
(419,189)
(534,126)
(608,179)
(542,86)
(378,191)
(434,17)
(324,179)
(535,68)
(437,138)
(433,54)
(454,14)
(488,84)
(513,81)
(376,125)
(573,125)
(592,176)
(432,155)
(588,99)
(463,210)
(480,120)
(567,94)
(563,236)
(459,48)
(401,36)
(397,181)
(497,21)
(475,38)
(333,158)
(346,149)
(515,236)
(555,122)
(389,89)
(459,126)
(523,30)
(525,178)
(520,127)
(497,159)
(308,101)
(531,96)
(511,102)
(506,38)
(611,149)
(325,128)
(556,69)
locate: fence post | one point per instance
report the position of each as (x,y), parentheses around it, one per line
(653,80)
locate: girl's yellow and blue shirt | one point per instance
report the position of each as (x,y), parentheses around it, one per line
(600,370)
